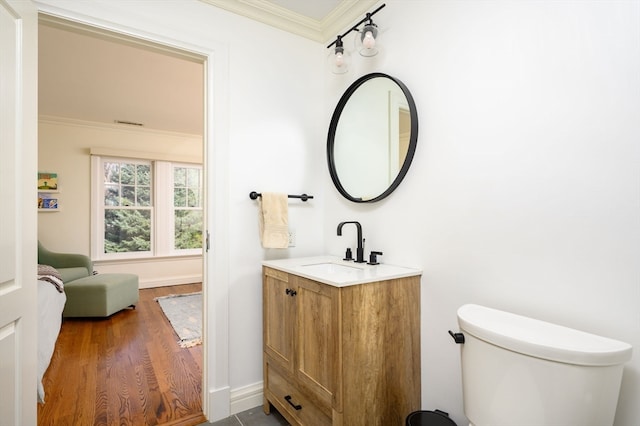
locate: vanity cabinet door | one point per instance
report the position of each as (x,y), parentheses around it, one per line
(317,341)
(279,317)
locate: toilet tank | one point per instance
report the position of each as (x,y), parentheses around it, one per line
(522,371)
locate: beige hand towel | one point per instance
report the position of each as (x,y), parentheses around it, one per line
(274,220)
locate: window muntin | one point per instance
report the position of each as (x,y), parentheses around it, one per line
(146,208)
(127,206)
(187,207)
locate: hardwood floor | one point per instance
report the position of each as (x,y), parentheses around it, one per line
(124,370)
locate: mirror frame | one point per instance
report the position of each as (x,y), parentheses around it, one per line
(413,139)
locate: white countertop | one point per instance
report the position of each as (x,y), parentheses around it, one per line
(334,271)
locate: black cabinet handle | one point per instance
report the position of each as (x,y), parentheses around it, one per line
(288,399)
(291,292)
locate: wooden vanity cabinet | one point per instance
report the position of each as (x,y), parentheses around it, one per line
(341,356)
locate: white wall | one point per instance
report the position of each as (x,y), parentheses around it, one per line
(523,194)
(63,148)
(276,144)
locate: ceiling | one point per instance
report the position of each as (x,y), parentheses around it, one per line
(91,75)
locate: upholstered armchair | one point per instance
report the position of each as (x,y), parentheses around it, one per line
(90,295)
(70,265)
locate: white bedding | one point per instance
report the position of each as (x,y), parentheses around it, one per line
(50,305)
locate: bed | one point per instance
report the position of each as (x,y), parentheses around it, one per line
(51,300)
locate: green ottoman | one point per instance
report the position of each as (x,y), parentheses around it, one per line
(100,295)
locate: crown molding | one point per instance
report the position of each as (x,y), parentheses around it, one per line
(343,17)
(269,13)
(74,122)
(45,18)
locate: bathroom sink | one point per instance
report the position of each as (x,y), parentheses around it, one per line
(331,268)
(334,271)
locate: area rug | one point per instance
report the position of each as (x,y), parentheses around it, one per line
(184,312)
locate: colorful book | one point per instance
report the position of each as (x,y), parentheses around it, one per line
(48,203)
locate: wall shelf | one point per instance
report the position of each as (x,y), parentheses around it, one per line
(48,185)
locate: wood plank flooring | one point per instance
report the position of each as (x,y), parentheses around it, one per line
(124,370)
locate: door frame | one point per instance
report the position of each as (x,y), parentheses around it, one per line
(215,381)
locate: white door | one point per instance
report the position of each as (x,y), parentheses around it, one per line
(18,222)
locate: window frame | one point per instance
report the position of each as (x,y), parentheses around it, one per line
(162,243)
(200,208)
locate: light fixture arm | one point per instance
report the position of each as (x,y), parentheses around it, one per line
(355,27)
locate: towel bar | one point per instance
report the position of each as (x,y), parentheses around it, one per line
(304,197)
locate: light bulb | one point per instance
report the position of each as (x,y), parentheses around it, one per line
(368,41)
(338,60)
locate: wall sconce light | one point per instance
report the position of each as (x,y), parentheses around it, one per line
(366,43)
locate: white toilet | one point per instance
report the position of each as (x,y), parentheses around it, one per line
(518,371)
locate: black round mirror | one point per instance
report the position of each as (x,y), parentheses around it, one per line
(372,138)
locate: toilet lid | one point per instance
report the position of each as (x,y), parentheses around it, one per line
(541,339)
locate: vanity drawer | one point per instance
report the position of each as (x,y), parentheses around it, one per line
(284,396)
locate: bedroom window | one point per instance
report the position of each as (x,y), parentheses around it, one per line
(146,208)
(128,206)
(187,207)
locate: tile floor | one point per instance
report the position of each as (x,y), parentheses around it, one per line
(253,417)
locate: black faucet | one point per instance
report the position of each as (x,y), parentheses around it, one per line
(360,249)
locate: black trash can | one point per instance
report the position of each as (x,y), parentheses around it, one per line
(429,418)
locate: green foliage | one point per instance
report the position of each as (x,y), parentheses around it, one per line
(186,193)
(128,191)
(188,229)
(127,230)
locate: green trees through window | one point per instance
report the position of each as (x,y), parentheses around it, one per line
(127,207)
(187,204)
(134,218)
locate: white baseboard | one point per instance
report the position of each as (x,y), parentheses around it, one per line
(246,397)
(218,404)
(224,402)
(185,279)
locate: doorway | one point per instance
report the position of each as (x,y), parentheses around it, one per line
(157,45)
